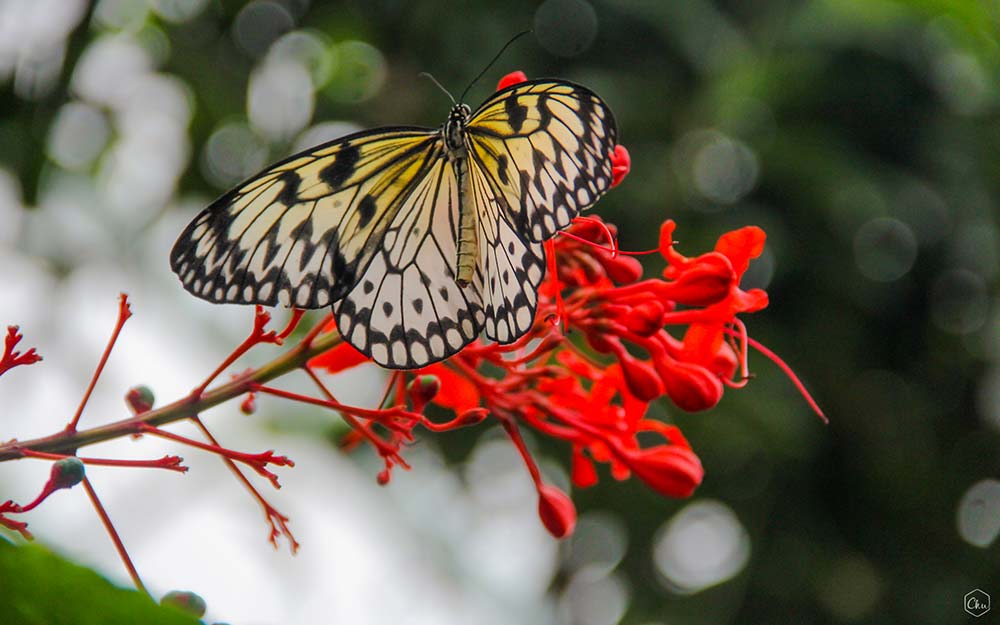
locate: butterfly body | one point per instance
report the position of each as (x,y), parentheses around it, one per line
(420,239)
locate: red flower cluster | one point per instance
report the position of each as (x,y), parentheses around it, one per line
(593,393)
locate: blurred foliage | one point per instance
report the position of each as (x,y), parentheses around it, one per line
(863,135)
(71,594)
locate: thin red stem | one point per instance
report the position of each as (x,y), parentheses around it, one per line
(124,312)
(515,437)
(791,375)
(277,521)
(109,526)
(257,462)
(172,463)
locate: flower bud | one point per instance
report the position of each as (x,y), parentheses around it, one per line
(472,416)
(513,78)
(66,473)
(422,389)
(641,378)
(670,470)
(249,404)
(644,319)
(692,387)
(556,510)
(139,399)
(186,601)
(622,269)
(705,281)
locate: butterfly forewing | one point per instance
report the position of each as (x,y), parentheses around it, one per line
(301,232)
(545,147)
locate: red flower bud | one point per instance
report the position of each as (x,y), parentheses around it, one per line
(670,470)
(703,282)
(422,389)
(556,510)
(621,163)
(640,377)
(186,601)
(644,319)
(249,404)
(622,269)
(139,399)
(510,79)
(472,416)
(692,387)
(582,470)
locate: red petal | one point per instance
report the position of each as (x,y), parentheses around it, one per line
(341,357)
(457,392)
(742,245)
(621,163)
(582,470)
(513,78)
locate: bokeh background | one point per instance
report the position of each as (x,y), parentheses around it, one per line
(863,135)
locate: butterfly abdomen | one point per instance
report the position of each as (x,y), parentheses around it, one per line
(468,215)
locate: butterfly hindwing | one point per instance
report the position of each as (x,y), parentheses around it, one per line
(511,266)
(406,309)
(301,232)
(545,146)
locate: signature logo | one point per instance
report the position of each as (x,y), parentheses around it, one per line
(977,602)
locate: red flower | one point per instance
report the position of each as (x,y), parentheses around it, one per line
(511,79)
(621,163)
(594,394)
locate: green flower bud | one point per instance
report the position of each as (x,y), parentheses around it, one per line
(67,473)
(186,601)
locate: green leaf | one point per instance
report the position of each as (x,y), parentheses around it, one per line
(37,587)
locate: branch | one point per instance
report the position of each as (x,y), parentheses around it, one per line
(66,442)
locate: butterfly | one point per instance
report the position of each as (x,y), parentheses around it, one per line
(418,239)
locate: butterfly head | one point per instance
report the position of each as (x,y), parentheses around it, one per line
(454,128)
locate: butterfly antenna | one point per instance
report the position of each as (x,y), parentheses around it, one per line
(439,86)
(495,59)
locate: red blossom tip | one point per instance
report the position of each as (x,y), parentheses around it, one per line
(513,78)
(670,470)
(186,601)
(621,163)
(139,399)
(556,510)
(10,358)
(383,477)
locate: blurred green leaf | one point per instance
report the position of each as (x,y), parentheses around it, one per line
(40,588)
